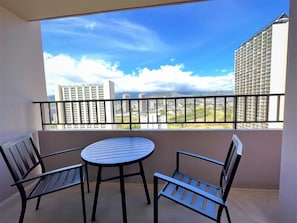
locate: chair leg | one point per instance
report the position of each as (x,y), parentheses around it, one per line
(144,183)
(155,200)
(24,204)
(228,215)
(96,193)
(83,197)
(87,175)
(37,204)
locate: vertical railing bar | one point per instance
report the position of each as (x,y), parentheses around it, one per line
(267,107)
(104,109)
(88,103)
(225,108)
(80,112)
(215,109)
(41,113)
(175,117)
(50,112)
(71,109)
(204,110)
(157,110)
(235,104)
(130,114)
(256,108)
(195,115)
(245,107)
(138,110)
(122,111)
(278,108)
(185,110)
(166,110)
(114,111)
(148,114)
(96,110)
(57,113)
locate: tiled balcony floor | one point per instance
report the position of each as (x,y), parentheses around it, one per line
(245,206)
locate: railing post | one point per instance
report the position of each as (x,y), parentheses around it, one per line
(130,114)
(235,112)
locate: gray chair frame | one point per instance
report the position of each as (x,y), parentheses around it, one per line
(202,197)
(23,159)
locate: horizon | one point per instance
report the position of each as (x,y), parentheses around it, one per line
(186,47)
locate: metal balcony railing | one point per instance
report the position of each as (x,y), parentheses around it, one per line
(224,111)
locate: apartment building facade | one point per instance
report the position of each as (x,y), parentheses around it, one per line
(260,68)
(89,113)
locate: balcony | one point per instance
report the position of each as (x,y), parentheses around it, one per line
(269,159)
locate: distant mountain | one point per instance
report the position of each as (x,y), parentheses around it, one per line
(51,97)
(119,95)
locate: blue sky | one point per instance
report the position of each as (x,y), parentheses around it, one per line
(168,48)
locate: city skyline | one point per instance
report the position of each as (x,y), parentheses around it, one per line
(183,47)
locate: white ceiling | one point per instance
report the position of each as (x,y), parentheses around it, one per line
(31,10)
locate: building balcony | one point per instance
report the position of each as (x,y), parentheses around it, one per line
(254,196)
(269,156)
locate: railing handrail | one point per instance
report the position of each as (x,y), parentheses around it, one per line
(224,109)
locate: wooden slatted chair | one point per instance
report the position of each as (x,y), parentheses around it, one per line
(205,198)
(23,160)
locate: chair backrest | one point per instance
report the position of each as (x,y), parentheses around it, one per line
(21,157)
(230,165)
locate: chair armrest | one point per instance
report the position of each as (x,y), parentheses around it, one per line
(200,157)
(61,152)
(48,173)
(188,187)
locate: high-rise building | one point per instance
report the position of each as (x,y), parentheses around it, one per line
(125,103)
(88,113)
(142,103)
(260,68)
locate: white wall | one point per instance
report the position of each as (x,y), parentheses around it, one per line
(22,80)
(288,171)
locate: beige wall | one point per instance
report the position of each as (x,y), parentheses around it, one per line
(22,81)
(259,167)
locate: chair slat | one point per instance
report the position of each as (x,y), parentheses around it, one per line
(180,191)
(22,154)
(40,188)
(17,162)
(52,183)
(30,151)
(190,195)
(72,176)
(62,179)
(170,188)
(199,200)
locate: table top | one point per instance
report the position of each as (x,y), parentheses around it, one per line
(118,151)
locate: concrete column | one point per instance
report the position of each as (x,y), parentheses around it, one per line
(288,171)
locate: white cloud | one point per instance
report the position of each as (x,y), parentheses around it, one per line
(91,25)
(65,70)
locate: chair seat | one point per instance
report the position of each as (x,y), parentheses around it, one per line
(55,182)
(190,199)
